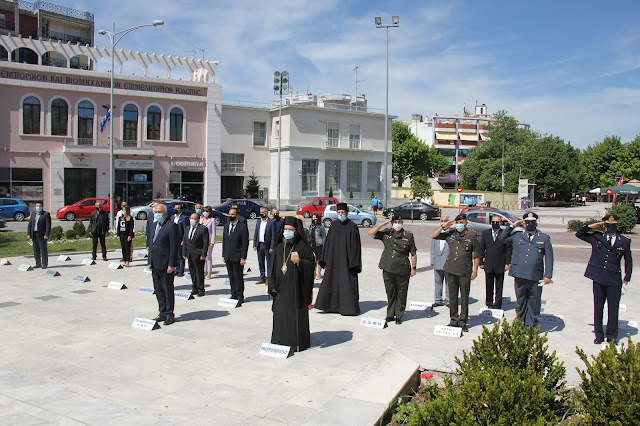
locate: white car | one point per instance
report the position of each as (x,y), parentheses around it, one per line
(143,212)
(357,215)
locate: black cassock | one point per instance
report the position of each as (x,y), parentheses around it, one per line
(342,260)
(294,290)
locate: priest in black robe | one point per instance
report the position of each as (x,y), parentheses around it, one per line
(291,285)
(342,260)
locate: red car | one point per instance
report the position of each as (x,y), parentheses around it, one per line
(82,209)
(316,206)
(478,208)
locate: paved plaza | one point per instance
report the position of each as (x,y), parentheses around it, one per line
(70,356)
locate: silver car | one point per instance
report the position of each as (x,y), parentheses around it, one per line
(358,216)
(479,220)
(143,212)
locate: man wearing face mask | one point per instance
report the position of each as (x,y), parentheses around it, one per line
(439,254)
(195,246)
(277,221)
(235,243)
(461,266)
(240,217)
(607,252)
(182,222)
(38,230)
(342,260)
(531,261)
(494,261)
(99,229)
(399,245)
(263,243)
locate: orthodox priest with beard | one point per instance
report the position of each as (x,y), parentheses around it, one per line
(291,285)
(342,260)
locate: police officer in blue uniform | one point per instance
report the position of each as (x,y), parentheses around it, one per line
(607,252)
(531,256)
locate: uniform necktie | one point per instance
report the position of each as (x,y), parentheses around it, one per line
(609,241)
(530,237)
(155,234)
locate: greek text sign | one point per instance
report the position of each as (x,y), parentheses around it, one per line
(52,273)
(81,278)
(506,299)
(114,285)
(146,271)
(276,351)
(63,258)
(372,322)
(558,319)
(627,324)
(184,295)
(446,331)
(4,262)
(146,290)
(228,303)
(494,313)
(145,324)
(88,262)
(24,267)
(115,266)
(419,306)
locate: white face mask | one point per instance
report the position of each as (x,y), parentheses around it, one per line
(193,222)
(205,214)
(397,226)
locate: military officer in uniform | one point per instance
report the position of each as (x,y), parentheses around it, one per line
(607,252)
(399,245)
(461,265)
(531,257)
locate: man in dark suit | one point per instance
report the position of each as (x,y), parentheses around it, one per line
(531,263)
(607,252)
(439,253)
(235,243)
(163,258)
(263,242)
(494,261)
(182,222)
(241,218)
(195,245)
(38,230)
(278,222)
(99,229)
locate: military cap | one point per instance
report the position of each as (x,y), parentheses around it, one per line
(530,216)
(610,218)
(461,216)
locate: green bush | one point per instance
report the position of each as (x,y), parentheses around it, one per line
(611,386)
(330,191)
(79,228)
(627,217)
(507,377)
(56,233)
(351,193)
(70,234)
(575,224)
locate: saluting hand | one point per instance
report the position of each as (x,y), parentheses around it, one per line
(596,225)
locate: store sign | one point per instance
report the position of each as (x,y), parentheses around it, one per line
(134,164)
(188,164)
(139,177)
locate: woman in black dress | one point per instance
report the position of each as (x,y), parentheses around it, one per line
(125,233)
(291,285)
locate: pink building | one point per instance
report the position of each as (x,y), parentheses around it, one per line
(166,131)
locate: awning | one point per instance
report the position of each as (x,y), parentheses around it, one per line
(446,136)
(625,189)
(594,191)
(485,137)
(469,137)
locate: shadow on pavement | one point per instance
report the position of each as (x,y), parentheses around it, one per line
(371,306)
(414,315)
(326,339)
(202,315)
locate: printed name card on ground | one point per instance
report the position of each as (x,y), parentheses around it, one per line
(24,267)
(81,278)
(64,258)
(420,306)
(446,331)
(276,351)
(557,319)
(142,255)
(627,325)
(88,262)
(372,322)
(115,266)
(228,303)
(246,269)
(493,313)
(506,299)
(621,307)
(226,282)
(52,273)
(4,262)
(187,277)
(147,271)
(184,295)
(114,285)
(118,251)
(145,324)
(146,290)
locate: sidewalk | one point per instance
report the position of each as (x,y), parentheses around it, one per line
(70,355)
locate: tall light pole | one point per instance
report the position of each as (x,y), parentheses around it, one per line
(395,21)
(280,84)
(115,38)
(502,174)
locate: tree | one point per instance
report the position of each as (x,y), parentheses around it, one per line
(252,187)
(412,157)
(330,191)
(600,158)
(420,187)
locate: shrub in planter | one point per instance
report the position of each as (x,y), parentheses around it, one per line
(56,233)
(70,234)
(611,386)
(81,231)
(627,217)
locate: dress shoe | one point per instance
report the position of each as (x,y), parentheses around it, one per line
(170,320)
(398,320)
(181,274)
(446,304)
(44,267)
(194,292)
(598,340)
(200,293)
(465,328)
(260,282)
(436,304)
(160,318)
(389,319)
(611,340)
(105,259)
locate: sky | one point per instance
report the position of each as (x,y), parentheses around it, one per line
(570,69)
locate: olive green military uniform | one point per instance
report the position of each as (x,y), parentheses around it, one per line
(463,248)
(396,268)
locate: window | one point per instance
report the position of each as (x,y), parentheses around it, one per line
(309,176)
(25,184)
(130,127)
(479,217)
(232,162)
(259,133)
(186,185)
(354,136)
(31,116)
(176,117)
(354,175)
(59,117)
(331,175)
(333,135)
(277,128)
(85,123)
(374,170)
(153,123)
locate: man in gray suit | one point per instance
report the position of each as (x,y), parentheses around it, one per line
(531,256)
(439,253)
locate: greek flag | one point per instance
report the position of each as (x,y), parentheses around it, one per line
(105,120)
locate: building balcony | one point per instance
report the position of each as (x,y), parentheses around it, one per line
(351,145)
(54,35)
(7,25)
(101,146)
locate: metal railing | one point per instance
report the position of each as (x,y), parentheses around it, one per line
(50,7)
(61,63)
(66,37)
(104,143)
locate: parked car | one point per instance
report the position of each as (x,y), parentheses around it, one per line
(316,206)
(466,209)
(479,219)
(248,208)
(144,211)
(82,209)
(188,207)
(416,210)
(357,215)
(13,208)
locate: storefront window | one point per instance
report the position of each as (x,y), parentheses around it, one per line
(186,185)
(26,184)
(134,186)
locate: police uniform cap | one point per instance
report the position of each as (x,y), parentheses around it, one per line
(461,216)
(530,216)
(611,218)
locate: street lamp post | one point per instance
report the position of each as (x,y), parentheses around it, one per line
(395,21)
(280,84)
(113,37)
(502,173)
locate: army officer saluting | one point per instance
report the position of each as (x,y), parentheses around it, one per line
(396,267)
